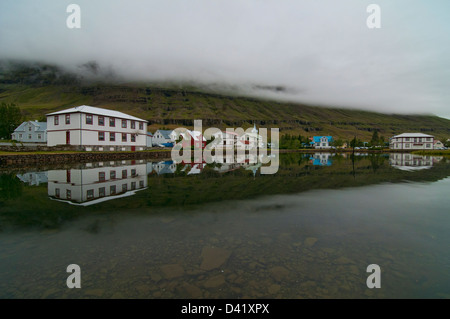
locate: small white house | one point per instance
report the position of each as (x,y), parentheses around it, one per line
(162,137)
(94,128)
(438,145)
(412,141)
(320,142)
(31,132)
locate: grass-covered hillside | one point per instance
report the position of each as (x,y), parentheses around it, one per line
(39,89)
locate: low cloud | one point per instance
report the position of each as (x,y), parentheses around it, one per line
(318,52)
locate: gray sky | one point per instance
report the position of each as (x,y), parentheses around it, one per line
(321,51)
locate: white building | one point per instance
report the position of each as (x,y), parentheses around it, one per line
(320,142)
(437,145)
(94,128)
(31,132)
(412,141)
(163,136)
(92,185)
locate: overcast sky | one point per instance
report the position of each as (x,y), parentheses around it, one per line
(321,50)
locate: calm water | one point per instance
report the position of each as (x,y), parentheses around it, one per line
(140,229)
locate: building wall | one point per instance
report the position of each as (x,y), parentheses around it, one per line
(85,134)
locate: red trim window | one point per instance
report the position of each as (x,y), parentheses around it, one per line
(67,119)
(124,137)
(112,122)
(101,176)
(101,136)
(89,119)
(124,173)
(124,123)
(133,125)
(56,120)
(112,137)
(133,138)
(101,121)
(141,125)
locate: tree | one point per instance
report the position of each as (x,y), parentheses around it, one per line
(375,139)
(10,118)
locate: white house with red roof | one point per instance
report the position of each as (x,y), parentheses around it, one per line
(94,128)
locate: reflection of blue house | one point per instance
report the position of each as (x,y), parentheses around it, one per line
(321,141)
(33,178)
(321,159)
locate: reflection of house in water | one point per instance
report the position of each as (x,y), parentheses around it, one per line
(95,183)
(322,159)
(410,162)
(33,178)
(165,167)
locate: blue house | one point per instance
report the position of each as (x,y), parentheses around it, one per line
(321,141)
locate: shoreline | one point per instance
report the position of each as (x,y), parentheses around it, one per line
(20,158)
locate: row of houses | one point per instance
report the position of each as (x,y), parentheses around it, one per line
(101,129)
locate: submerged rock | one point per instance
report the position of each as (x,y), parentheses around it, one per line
(279,272)
(310,241)
(172,270)
(213,257)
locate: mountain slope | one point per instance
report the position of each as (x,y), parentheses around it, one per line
(38,91)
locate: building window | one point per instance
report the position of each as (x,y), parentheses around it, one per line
(428,145)
(407,139)
(29,128)
(141,125)
(124,137)
(112,175)
(101,121)
(133,138)
(56,120)
(39,136)
(90,194)
(133,185)
(112,189)
(112,137)
(124,187)
(133,172)
(67,118)
(124,173)
(133,124)
(20,135)
(407,145)
(101,176)
(124,123)
(141,184)
(68,194)
(29,136)
(428,139)
(89,119)
(102,192)
(57,194)
(101,136)
(112,122)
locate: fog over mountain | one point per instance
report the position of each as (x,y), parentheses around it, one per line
(318,52)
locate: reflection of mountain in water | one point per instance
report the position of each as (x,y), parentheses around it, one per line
(97,183)
(411,162)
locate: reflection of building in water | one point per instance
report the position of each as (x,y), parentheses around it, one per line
(33,178)
(165,167)
(96,183)
(411,161)
(322,159)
